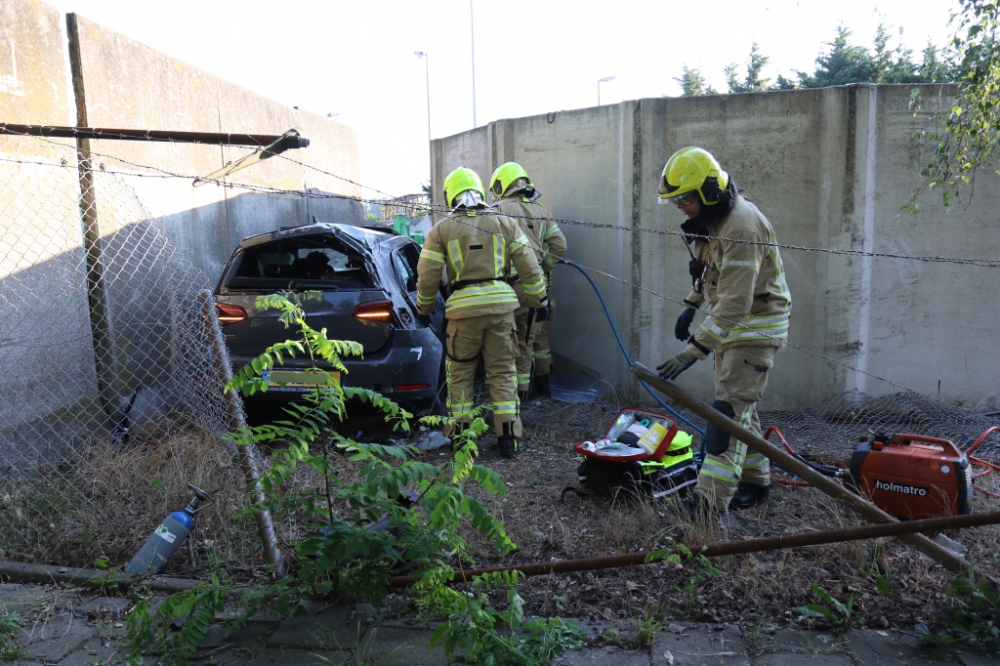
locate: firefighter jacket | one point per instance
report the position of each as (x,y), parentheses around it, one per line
(743,283)
(477,248)
(547,240)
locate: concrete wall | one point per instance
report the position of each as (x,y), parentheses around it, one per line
(46,347)
(130,85)
(830,168)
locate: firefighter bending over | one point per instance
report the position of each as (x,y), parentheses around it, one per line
(517,197)
(476,248)
(737,272)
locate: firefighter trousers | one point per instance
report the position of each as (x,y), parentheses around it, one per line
(541,353)
(492,337)
(740,380)
(525,339)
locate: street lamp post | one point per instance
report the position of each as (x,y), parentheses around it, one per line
(599,82)
(472,33)
(423,55)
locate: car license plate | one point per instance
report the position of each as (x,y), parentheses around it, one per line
(298,379)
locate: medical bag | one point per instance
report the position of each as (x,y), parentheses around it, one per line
(642,454)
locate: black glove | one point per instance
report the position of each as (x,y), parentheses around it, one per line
(541,314)
(675,366)
(682,329)
(424,319)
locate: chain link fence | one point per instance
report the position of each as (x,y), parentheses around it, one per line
(110,398)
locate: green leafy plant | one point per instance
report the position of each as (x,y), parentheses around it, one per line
(389,513)
(10,624)
(699,569)
(970,137)
(976,619)
(838,616)
(646,630)
(178,625)
(489,636)
(108,581)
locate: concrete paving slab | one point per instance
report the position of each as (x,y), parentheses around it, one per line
(804,641)
(286,657)
(797,659)
(891,647)
(250,634)
(54,639)
(95,650)
(392,646)
(703,646)
(977,658)
(337,628)
(603,657)
(101,606)
(23,598)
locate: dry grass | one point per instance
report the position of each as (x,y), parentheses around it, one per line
(105,501)
(750,585)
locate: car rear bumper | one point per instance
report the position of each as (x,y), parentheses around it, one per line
(412,358)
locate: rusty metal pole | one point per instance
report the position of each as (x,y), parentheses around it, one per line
(855,502)
(732,547)
(248,456)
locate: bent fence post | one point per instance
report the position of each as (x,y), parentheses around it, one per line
(248,457)
(856,503)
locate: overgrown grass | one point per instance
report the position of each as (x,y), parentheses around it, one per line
(105,499)
(10,624)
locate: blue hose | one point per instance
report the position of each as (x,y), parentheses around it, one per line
(629,358)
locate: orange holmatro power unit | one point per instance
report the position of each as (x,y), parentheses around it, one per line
(912,477)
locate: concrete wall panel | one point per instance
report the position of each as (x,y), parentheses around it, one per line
(830,168)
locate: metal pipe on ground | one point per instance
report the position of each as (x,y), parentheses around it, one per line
(248,457)
(734,547)
(792,465)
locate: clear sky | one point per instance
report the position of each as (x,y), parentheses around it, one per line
(356,59)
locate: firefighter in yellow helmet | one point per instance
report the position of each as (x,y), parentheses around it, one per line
(476,248)
(515,196)
(737,272)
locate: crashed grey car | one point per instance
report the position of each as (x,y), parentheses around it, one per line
(368,281)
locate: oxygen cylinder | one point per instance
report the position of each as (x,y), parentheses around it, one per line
(169,536)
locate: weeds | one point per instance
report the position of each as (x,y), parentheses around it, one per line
(977,619)
(838,616)
(10,624)
(396,514)
(646,630)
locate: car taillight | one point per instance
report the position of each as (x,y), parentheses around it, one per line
(411,387)
(230,314)
(374,311)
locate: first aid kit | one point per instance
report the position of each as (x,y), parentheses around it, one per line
(642,453)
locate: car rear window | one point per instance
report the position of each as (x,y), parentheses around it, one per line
(314,262)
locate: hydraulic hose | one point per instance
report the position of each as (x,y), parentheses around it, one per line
(629,358)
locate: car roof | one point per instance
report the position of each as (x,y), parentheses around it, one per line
(369,236)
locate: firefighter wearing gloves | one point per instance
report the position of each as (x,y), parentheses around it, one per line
(476,247)
(737,273)
(516,197)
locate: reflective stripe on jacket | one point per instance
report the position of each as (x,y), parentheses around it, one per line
(536,223)
(744,283)
(476,249)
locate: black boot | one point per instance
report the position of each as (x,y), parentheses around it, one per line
(697,505)
(506,446)
(748,495)
(540,386)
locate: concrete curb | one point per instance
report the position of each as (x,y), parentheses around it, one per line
(17,572)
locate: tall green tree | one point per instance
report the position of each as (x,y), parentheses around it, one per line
(843,63)
(753,81)
(693,84)
(970,136)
